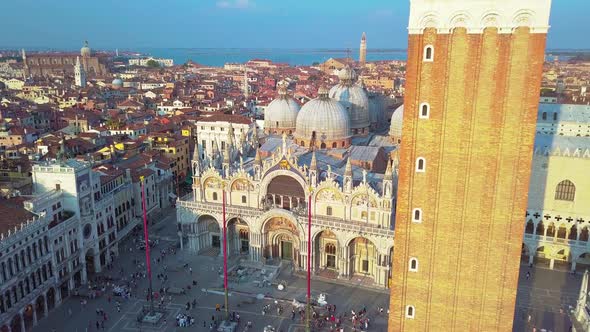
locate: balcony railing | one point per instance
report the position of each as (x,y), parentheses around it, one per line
(318,220)
(558,240)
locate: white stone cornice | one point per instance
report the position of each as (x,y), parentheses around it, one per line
(476,15)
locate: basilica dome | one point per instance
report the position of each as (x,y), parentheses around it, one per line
(117,83)
(376,117)
(354,99)
(323,122)
(85,51)
(280,115)
(395,130)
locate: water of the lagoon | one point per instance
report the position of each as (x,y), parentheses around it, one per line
(294,57)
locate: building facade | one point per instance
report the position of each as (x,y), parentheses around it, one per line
(47,64)
(267,216)
(558,213)
(464,171)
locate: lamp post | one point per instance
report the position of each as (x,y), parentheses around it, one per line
(147,244)
(225,256)
(308,307)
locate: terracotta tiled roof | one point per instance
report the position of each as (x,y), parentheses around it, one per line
(13,213)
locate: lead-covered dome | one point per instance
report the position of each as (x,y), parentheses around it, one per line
(323,121)
(280,115)
(376,105)
(117,83)
(395,129)
(354,98)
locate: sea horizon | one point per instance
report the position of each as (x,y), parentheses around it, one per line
(217,57)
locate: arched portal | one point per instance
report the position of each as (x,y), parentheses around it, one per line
(92,262)
(326,254)
(28,316)
(284,192)
(525,253)
(530,227)
(208,236)
(40,306)
(238,235)
(281,239)
(583,261)
(543,256)
(362,257)
(15,324)
(50,298)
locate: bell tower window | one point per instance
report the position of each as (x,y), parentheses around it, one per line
(429,53)
(421,165)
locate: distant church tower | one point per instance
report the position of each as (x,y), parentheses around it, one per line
(472,92)
(363,50)
(79,74)
(25,64)
(245,87)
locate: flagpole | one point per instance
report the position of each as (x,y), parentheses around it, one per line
(147,245)
(225,259)
(308,311)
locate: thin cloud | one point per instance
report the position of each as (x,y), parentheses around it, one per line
(383,13)
(235,4)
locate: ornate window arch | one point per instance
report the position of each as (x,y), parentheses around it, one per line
(565,191)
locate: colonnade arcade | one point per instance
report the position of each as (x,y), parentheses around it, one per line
(556,242)
(279,235)
(26,317)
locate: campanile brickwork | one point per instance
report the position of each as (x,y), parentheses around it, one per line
(482,86)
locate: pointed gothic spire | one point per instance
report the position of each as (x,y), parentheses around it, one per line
(388,172)
(226,155)
(258,158)
(255,137)
(348,168)
(196,154)
(284,144)
(314,162)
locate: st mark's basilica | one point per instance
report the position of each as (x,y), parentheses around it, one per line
(334,151)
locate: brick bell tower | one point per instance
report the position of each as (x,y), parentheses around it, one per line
(472,91)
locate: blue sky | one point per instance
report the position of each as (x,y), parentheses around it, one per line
(128,24)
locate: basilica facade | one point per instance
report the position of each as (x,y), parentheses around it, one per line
(270,192)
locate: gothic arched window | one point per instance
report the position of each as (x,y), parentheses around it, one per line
(565,191)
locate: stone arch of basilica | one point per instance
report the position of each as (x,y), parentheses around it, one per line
(267,219)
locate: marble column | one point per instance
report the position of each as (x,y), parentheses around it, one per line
(34,314)
(84,274)
(45,309)
(22,321)
(57,296)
